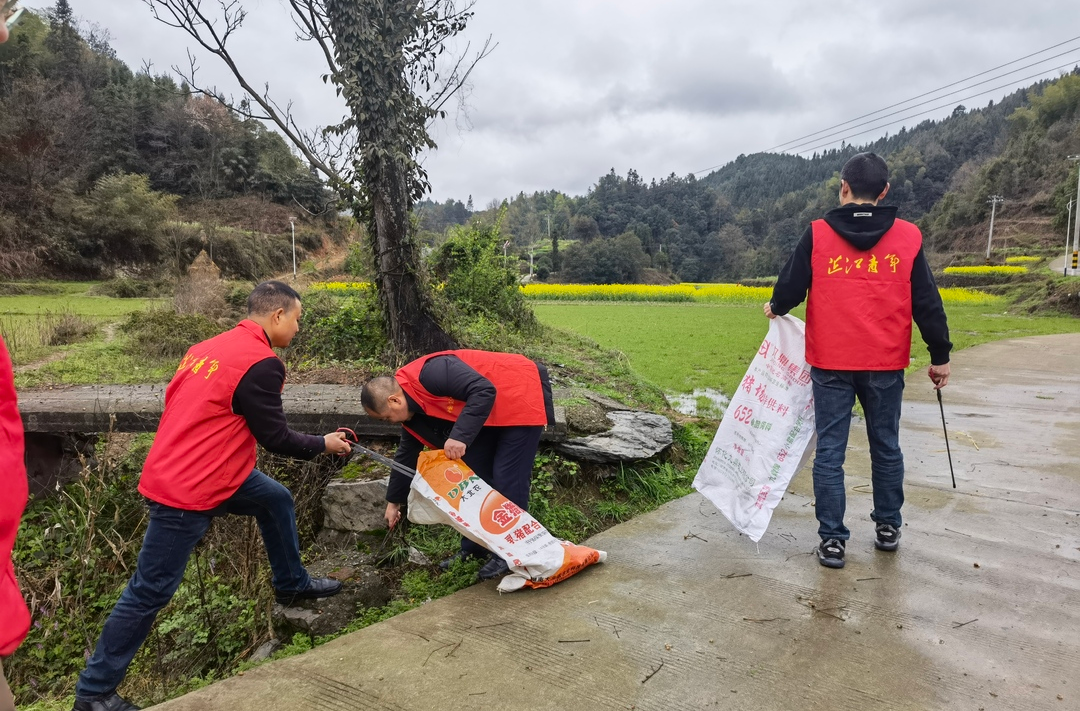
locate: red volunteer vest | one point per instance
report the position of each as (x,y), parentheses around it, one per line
(14,617)
(858,313)
(519,396)
(203,451)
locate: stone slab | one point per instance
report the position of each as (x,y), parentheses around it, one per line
(314,409)
(633,436)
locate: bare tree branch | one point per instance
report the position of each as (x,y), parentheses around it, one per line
(188,16)
(326,208)
(457,78)
(316,27)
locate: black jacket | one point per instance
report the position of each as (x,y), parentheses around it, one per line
(257,399)
(449,376)
(863,233)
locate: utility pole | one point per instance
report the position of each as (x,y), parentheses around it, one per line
(1076,223)
(1068,225)
(292,223)
(993,200)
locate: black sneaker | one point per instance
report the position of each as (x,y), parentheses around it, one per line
(888,537)
(106,702)
(830,553)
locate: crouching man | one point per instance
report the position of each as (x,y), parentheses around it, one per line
(225,397)
(486,409)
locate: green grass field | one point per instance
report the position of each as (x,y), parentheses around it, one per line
(28,320)
(685,346)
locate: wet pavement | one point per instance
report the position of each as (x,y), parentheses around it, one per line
(979,609)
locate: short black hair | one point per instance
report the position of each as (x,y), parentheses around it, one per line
(867,175)
(375,392)
(270,296)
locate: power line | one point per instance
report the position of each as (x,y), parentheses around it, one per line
(919,96)
(923,113)
(934,91)
(924,103)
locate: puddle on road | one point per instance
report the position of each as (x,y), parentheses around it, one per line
(703,402)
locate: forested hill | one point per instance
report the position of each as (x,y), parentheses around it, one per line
(95,157)
(743,219)
(924,158)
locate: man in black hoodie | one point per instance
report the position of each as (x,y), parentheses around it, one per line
(865,277)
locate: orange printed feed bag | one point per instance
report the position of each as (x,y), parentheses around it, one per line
(448,492)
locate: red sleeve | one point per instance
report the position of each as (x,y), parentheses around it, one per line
(14,617)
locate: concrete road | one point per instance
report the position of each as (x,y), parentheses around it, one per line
(1058,266)
(979,609)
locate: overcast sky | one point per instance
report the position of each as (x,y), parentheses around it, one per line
(577,87)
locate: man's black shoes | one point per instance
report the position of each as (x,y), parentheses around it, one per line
(318,587)
(494,568)
(107,702)
(888,537)
(830,553)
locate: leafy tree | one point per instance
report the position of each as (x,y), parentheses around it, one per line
(126,217)
(71,114)
(615,261)
(476,278)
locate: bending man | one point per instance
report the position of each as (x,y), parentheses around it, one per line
(487,409)
(225,397)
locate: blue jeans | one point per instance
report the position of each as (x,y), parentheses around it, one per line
(170,537)
(880,392)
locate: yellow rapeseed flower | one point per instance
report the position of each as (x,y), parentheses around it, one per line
(699,293)
(958,295)
(341,287)
(986,270)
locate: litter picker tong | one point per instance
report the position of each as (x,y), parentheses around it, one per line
(351,437)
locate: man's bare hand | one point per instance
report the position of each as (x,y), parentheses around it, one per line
(454,449)
(768,310)
(336,443)
(940,375)
(393,515)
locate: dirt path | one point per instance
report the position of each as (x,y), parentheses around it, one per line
(108,330)
(51,358)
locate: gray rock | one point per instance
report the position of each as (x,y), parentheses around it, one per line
(362,587)
(297,619)
(265,651)
(418,558)
(633,436)
(350,505)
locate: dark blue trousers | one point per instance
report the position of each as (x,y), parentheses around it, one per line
(170,538)
(881,394)
(503,457)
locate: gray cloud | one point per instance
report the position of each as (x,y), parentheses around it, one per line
(577,87)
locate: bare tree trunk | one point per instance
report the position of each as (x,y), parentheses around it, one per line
(411,327)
